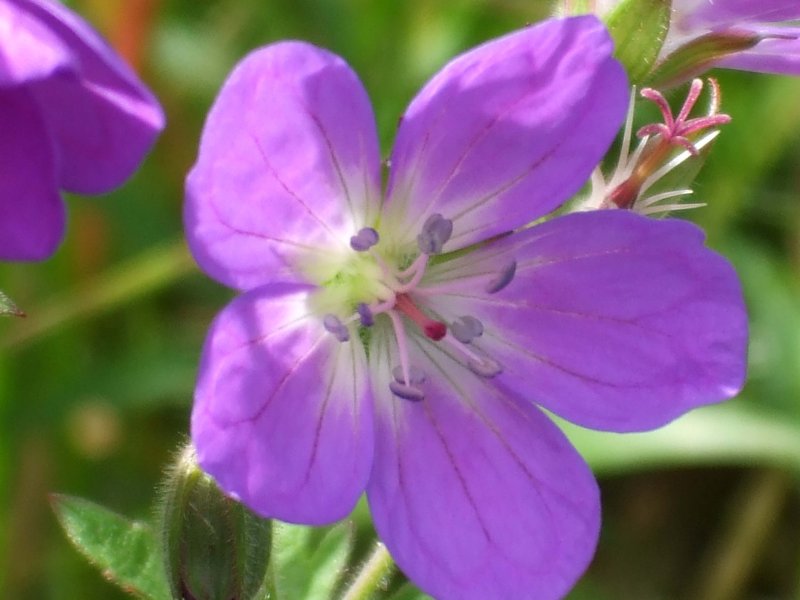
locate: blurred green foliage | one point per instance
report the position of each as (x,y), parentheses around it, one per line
(96,382)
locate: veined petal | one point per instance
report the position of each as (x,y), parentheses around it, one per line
(104,120)
(720,13)
(31,211)
(508,131)
(282,417)
(288,166)
(477,495)
(772,55)
(29,50)
(613,321)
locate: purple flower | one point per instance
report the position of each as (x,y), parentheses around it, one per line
(402,342)
(73,117)
(778,50)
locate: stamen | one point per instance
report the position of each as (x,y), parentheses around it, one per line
(435,330)
(650,200)
(435,233)
(406,392)
(365,239)
(334,325)
(365,314)
(476,360)
(417,270)
(503,278)
(402,348)
(466,328)
(485,367)
(415,375)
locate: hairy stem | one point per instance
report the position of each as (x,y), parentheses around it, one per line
(374,571)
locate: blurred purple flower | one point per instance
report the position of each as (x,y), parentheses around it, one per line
(396,343)
(778,50)
(73,116)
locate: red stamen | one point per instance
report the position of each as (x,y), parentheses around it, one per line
(435,330)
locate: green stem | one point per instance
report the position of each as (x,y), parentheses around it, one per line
(752,517)
(142,275)
(372,574)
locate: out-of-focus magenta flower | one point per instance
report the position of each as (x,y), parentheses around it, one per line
(73,117)
(778,50)
(401,342)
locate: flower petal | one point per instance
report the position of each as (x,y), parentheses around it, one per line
(508,131)
(613,321)
(29,50)
(103,118)
(288,166)
(31,211)
(772,55)
(477,495)
(711,15)
(282,416)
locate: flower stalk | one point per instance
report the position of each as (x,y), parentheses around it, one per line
(372,575)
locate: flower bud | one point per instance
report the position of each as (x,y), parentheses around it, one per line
(214,547)
(699,55)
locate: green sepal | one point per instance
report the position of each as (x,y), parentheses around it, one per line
(699,55)
(214,548)
(7,307)
(125,551)
(639,28)
(309,562)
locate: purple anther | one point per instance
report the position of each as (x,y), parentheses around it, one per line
(406,392)
(466,328)
(503,278)
(334,325)
(435,233)
(415,375)
(365,314)
(365,239)
(485,367)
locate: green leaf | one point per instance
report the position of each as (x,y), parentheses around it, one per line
(7,307)
(308,562)
(639,28)
(125,551)
(732,434)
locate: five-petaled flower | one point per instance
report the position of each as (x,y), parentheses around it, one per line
(73,116)
(402,342)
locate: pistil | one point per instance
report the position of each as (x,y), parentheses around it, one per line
(432,329)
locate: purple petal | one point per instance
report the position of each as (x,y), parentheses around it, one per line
(31,211)
(614,321)
(508,131)
(477,495)
(721,13)
(103,118)
(781,56)
(288,166)
(28,50)
(282,416)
